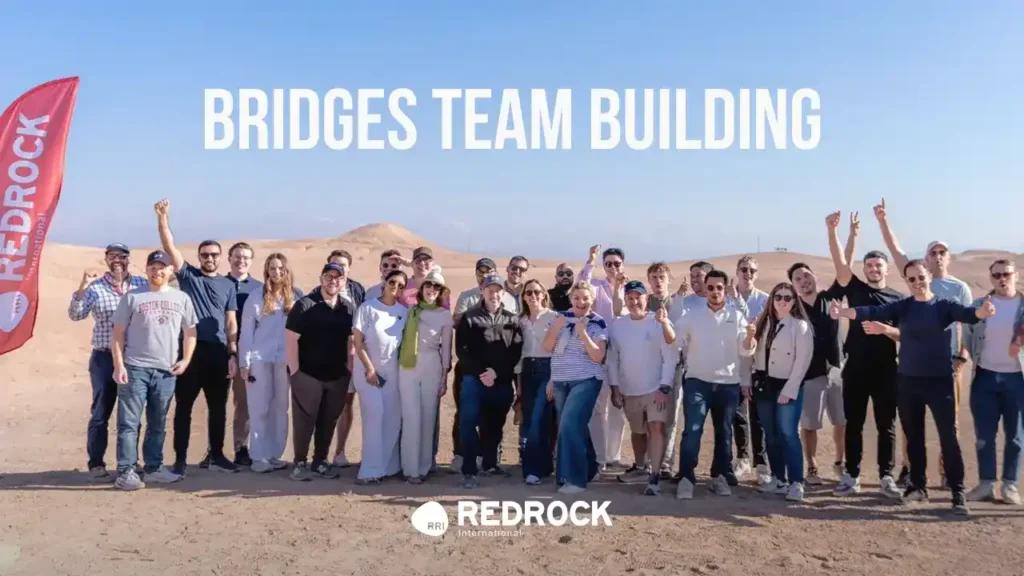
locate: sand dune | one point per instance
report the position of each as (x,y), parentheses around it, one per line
(208,524)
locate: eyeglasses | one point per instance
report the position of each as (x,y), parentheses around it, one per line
(613,264)
(1000,275)
(564,273)
(532,292)
(746,269)
(913,279)
(783,298)
(396,283)
(517,268)
(333,279)
(205,255)
(714,288)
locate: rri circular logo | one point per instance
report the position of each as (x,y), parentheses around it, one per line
(430,519)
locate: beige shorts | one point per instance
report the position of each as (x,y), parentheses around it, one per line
(643,409)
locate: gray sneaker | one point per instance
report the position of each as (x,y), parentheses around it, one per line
(469,481)
(684,491)
(720,486)
(635,474)
(325,470)
(128,480)
(985,491)
(162,476)
(99,475)
(301,472)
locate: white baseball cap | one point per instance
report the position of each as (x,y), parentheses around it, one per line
(935,243)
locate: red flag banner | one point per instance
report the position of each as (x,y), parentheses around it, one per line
(33,138)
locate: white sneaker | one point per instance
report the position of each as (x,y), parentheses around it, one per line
(847,486)
(769,486)
(570,489)
(720,486)
(985,490)
(341,461)
(796,492)
(129,480)
(162,476)
(532,480)
(781,488)
(1010,494)
(685,489)
(763,475)
(261,466)
(742,468)
(889,488)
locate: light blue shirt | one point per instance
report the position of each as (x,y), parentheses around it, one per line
(958,291)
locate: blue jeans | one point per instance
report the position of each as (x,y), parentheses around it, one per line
(487,408)
(104,397)
(574,404)
(538,418)
(722,400)
(153,389)
(995,395)
(781,423)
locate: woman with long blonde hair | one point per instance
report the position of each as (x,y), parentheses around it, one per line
(785,342)
(261,357)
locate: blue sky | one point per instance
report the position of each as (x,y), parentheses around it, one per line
(920,104)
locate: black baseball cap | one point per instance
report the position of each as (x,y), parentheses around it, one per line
(422,251)
(117,247)
(486,263)
(158,256)
(332,267)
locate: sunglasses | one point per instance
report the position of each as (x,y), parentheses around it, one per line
(484,271)
(564,273)
(783,298)
(390,266)
(614,264)
(714,288)
(396,284)
(205,255)
(913,279)
(517,269)
(1000,275)
(750,270)
(532,292)
(431,285)
(116,256)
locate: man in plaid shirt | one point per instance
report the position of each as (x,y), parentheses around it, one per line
(99,296)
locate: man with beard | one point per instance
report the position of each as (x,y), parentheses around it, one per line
(389,260)
(422,264)
(870,371)
(747,428)
(100,297)
(318,328)
(821,394)
(147,324)
(943,285)
(215,362)
(558,295)
(713,340)
(240,257)
(517,268)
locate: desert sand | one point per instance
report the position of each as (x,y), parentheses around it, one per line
(53,521)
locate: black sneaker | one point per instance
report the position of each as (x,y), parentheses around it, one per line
(960,504)
(469,481)
(730,478)
(324,470)
(496,471)
(222,464)
(904,477)
(913,494)
(653,485)
(242,457)
(205,462)
(179,468)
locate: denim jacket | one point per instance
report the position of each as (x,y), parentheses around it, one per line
(975,334)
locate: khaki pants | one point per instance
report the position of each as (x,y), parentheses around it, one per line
(957,376)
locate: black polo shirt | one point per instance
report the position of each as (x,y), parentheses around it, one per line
(867,353)
(826,334)
(323,336)
(559,297)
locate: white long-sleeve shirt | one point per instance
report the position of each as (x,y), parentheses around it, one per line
(639,360)
(712,343)
(261,336)
(790,356)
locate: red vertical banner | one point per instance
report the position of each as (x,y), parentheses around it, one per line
(33,139)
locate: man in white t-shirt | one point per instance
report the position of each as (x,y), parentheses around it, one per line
(641,367)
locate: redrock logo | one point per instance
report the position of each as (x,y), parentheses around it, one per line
(432,519)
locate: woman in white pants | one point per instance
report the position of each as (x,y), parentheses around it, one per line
(424,359)
(376,337)
(261,357)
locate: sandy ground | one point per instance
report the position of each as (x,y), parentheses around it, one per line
(52,521)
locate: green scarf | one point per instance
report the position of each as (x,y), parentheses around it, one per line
(410,337)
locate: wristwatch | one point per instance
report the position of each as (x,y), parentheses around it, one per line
(665,389)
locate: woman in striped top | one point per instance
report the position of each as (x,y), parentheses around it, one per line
(578,340)
(538,411)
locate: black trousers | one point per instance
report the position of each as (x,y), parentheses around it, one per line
(880,387)
(316,406)
(916,394)
(456,395)
(208,372)
(747,429)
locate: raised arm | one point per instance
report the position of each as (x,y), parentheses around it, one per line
(851,241)
(899,257)
(166,238)
(83,299)
(587,272)
(839,260)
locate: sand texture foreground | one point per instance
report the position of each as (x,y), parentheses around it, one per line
(53,521)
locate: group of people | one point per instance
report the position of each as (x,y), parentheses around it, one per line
(578,361)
